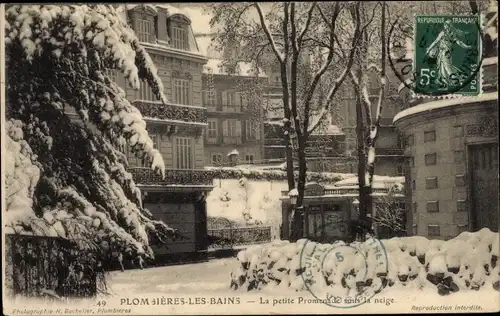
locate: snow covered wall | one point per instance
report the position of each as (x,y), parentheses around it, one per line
(466,262)
(247,202)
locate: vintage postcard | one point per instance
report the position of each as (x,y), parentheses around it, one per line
(250,158)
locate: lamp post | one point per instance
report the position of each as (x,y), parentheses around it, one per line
(233,157)
(297,230)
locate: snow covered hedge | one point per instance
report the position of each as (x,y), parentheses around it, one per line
(468,261)
(255,174)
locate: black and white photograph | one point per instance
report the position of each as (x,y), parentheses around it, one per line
(239,158)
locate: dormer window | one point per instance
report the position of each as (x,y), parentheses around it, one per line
(178,29)
(179,37)
(144,31)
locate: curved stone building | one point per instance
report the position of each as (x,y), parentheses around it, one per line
(452,161)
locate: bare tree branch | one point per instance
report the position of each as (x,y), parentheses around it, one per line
(270,38)
(306,26)
(347,70)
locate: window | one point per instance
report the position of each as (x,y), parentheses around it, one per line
(431,183)
(458,131)
(231,130)
(413,185)
(249,158)
(146,162)
(461,206)
(429,136)
(145,30)
(414,228)
(181,91)
(433,230)
(414,207)
(184,153)
(252,130)
(412,161)
(432,206)
(212,128)
(459,180)
(459,156)
(241,100)
(146,93)
(315,224)
(231,101)
(178,37)
(217,159)
(208,97)
(430,159)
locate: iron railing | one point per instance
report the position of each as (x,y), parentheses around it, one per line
(39,266)
(240,236)
(171,112)
(146,176)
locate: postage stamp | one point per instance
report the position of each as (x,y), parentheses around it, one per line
(447,55)
(343,275)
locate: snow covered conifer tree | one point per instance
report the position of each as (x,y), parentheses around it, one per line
(67,177)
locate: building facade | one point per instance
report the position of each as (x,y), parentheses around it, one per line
(176,128)
(389,155)
(235,115)
(452,166)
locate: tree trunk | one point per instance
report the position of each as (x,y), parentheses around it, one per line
(364,190)
(298,214)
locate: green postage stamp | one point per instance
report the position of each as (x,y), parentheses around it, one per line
(447,55)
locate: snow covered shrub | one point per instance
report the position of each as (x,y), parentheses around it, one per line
(466,262)
(69,178)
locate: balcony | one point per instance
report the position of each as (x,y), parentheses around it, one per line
(274,142)
(394,151)
(232,140)
(232,109)
(172,113)
(173,178)
(212,141)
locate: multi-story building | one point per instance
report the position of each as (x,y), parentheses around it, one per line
(176,128)
(389,156)
(233,101)
(325,151)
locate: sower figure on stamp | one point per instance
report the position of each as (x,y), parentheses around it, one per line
(441,50)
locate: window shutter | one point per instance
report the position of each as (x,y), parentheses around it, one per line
(186,37)
(225,128)
(238,128)
(244,100)
(224,97)
(257,130)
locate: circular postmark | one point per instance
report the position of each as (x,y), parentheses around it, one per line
(342,275)
(439,55)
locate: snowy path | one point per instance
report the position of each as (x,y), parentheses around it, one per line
(187,278)
(203,289)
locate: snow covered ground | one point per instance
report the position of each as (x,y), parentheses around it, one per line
(208,285)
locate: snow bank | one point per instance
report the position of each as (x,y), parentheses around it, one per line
(466,262)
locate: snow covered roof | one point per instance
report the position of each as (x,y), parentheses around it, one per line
(243,69)
(234,152)
(195,16)
(378,182)
(331,129)
(440,104)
